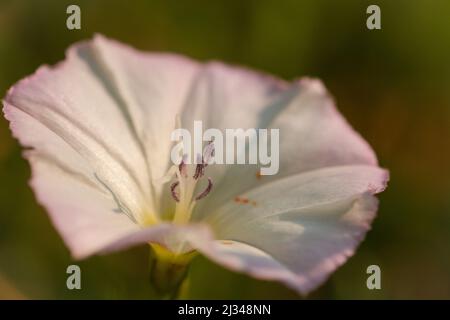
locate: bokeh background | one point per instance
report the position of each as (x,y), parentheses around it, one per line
(393,85)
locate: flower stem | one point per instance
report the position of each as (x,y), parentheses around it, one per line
(168,273)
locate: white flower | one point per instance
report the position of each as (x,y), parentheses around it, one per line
(97,130)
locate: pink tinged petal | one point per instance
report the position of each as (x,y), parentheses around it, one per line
(153,89)
(300,228)
(313,135)
(299,267)
(86,147)
(225,97)
(68,105)
(85,216)
(90,222)
(229,97)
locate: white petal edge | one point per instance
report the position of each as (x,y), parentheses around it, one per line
(308,224)
(313,135)
(65,115)
(248,259)
(87,219)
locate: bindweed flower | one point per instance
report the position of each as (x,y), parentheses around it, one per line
(97,126)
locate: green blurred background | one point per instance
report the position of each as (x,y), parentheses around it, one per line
(391,84)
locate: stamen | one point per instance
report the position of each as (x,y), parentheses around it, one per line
(183,188)
(173,192)
(199,171)
(182,168)
(209,152)
(206,191)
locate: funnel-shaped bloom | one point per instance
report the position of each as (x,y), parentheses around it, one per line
(97,130)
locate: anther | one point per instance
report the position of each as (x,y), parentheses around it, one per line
(199,171)
(205,192)
(208,153)
(182,168)
(173,192)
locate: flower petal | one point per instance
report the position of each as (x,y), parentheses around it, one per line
(228,97)
(89,166)
(68,117)
(308,223)
(152,89)
(313,135)
(225,97)
(84,214)
(89,221)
